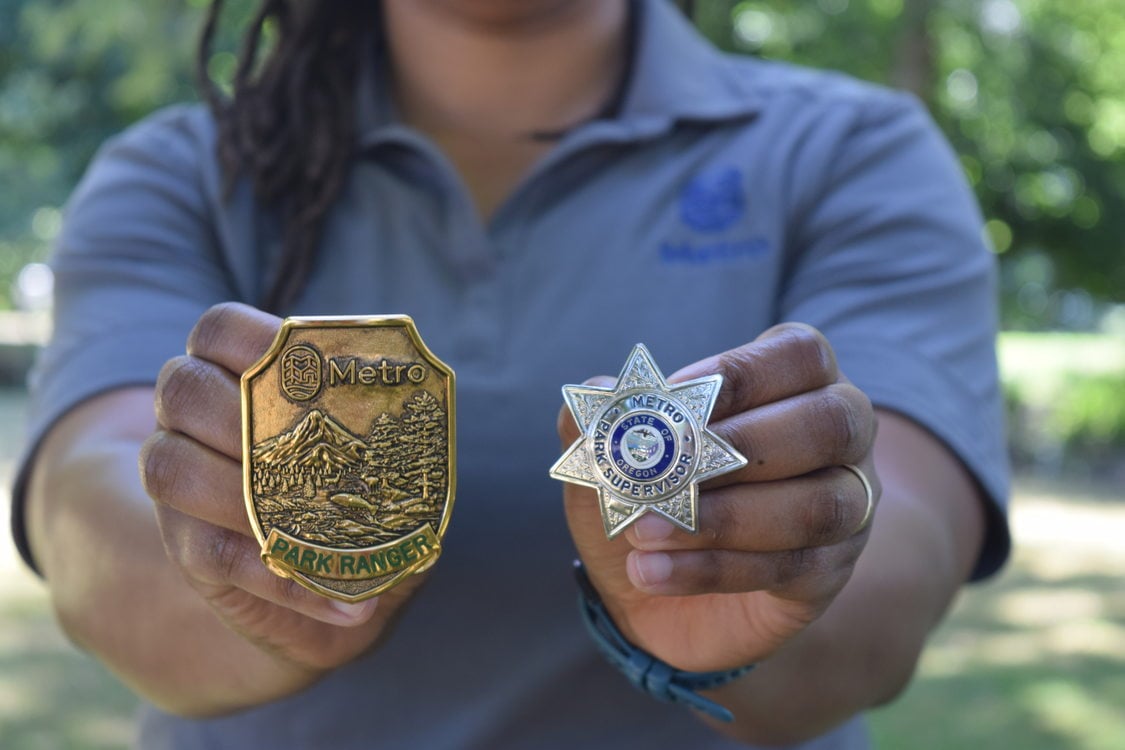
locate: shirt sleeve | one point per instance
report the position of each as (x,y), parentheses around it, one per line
(136,264)
(891,265)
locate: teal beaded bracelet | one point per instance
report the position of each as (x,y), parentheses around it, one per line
(643,670)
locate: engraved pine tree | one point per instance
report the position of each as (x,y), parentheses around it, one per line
(384,462)
(424,429)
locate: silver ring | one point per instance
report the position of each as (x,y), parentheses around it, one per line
(870,495)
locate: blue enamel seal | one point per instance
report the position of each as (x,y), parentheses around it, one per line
(643,446)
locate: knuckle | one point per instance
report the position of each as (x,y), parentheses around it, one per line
(710,574)
(187,554)
(738,432)
(181,382)
(224,555)
(826,517)
(798,563)
(208,554)
(160,470)
(810,350)
(860,417)
(841,415)
(288,593)
(174,540)
(736,366)
(865,420)
(789,566)
(719,572)
(204,554)
(716,528)
(850,551)
(210,327)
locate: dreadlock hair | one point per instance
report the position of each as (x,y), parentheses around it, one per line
(289,125)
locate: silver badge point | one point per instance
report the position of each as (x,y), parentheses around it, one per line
(645,446)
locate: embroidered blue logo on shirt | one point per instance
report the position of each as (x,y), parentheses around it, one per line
(710,253)
(713,201)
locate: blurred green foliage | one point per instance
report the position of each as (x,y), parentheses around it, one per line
(1028,91)
(1065,409)
(1030,94)
(1078,431)
(1091,412)
(73,73)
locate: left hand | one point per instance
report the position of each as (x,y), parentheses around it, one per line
(777,539)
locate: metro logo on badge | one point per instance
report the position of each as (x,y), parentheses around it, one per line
(300,372)
(382,372)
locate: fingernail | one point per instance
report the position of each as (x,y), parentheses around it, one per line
(651,528)
(353,613)
(652,568)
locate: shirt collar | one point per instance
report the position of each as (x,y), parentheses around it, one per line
(676,74)
(375,109)
(679,75)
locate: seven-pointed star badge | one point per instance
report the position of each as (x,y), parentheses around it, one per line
(645,445)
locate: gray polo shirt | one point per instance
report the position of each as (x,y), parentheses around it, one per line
(725,195)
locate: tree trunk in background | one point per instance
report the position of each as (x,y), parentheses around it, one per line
(914,52)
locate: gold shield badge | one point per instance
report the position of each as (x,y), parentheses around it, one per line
(348,453)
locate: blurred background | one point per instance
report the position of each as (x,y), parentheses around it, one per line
(1031,93)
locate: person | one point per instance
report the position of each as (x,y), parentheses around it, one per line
(541,184)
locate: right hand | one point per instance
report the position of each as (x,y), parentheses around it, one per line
(192,468)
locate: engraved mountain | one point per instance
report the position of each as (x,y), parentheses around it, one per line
(318,442)
(319,482)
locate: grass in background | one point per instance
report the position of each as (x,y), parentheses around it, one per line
(1035,658)
(1065,395)
(52,696)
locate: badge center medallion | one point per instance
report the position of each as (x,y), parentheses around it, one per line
(649,453)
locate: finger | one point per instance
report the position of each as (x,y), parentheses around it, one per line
(214,558)
(233,335)
(826,427)
(184,475)
(808,573)
(787,359)
(201,399)
(819,509)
